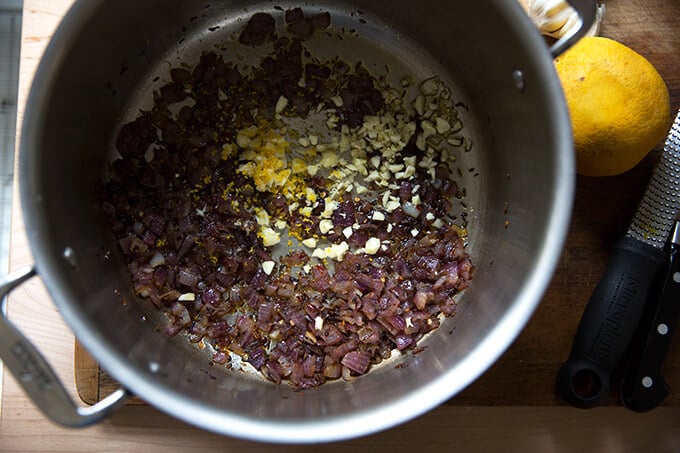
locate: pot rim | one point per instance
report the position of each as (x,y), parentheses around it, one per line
(414,404)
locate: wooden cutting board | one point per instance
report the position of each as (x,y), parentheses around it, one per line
(603,207)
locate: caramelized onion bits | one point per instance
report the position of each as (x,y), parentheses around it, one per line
(258,30)
(136,137)
(302,27)
(199,219)
(357,361)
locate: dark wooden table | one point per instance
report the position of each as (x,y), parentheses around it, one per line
(603,208)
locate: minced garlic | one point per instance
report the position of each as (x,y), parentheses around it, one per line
(378,216)
(372,246)
(269,237)
(281,161)
(325,226)
(310,242)
(268,267)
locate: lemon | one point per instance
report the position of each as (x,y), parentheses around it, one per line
(618,103)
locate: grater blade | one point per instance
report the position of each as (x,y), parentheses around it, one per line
(656,213)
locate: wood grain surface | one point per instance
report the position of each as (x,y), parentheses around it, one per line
(512,407)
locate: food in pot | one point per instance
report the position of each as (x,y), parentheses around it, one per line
(296,216)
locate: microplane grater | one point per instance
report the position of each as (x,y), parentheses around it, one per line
(616,306)
(660,204)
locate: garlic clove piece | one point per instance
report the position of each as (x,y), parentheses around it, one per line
(556,18)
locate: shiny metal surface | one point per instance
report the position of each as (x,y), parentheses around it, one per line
(10,38)
(675,234)
(92,76)
(36,376)
(587,11)
(660,204)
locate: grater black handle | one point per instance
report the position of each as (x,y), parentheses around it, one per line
(609,322)
(643,387)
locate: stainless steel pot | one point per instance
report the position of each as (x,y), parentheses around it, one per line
(100,67)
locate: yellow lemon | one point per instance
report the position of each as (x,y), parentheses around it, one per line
(618,103)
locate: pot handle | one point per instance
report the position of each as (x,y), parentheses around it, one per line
(587,11)
(36,376)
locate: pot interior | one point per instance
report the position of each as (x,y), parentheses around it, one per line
(517,177)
